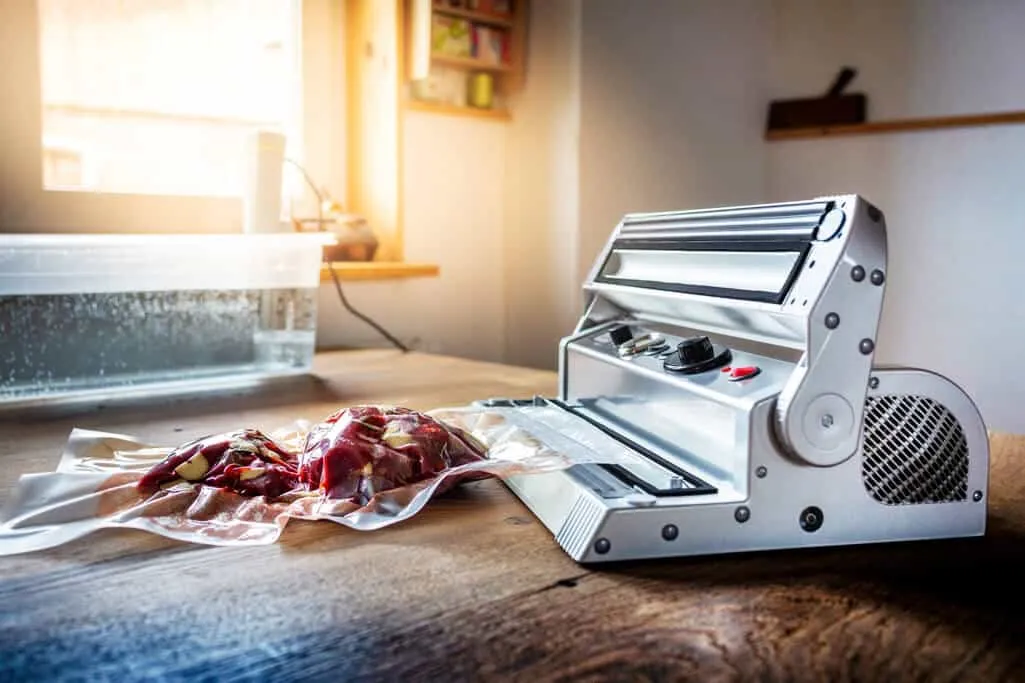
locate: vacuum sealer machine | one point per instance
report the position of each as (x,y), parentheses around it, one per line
(725,361)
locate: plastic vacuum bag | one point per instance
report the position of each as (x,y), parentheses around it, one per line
(244,486)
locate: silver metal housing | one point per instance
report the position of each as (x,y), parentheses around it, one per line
(817,448)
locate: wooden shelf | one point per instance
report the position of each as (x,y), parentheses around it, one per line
(351,271)
(453,110)
(430,68)
(899,126)
(470,63)
(479,17)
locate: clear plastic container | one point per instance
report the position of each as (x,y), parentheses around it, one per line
(88,315)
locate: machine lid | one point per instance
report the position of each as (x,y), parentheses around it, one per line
(727,270)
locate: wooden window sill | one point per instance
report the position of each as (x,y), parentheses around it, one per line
(350,271)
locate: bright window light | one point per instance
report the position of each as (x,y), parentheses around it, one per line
(156,97)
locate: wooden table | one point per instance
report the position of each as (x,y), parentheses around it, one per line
(475,588)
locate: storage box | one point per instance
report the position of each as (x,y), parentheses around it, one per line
(88,316)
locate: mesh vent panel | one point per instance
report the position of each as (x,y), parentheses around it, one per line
(915,451)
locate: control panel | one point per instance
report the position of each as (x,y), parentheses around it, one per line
(697,358)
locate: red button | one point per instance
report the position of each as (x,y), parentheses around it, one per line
(743,373)
(726,369)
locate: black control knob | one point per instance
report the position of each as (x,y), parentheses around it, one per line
(695,350)
(620,335)
(697,354)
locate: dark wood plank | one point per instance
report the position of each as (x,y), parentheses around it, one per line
(475,588)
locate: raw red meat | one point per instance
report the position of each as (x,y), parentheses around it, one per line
(246,461)
(364,450)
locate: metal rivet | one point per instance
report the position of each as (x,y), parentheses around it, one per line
(857,273)
(670,532)
(977,496)
(742,514)
(810,519)
(832,321)
(761,472)
(873,383)
(602,546)
(877,278)
(866,346)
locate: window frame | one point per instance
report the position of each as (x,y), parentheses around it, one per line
(27,207)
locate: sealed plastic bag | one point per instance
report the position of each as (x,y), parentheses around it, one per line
(365,467)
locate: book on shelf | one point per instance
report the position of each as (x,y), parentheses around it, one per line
(465,39)
(489,45)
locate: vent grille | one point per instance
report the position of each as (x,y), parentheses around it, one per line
(915,451)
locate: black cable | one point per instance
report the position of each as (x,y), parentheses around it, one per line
(338,287)
(331,268)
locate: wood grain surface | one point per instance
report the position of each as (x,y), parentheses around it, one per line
(475,589)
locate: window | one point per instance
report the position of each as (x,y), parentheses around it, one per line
(156,97)
(132,116)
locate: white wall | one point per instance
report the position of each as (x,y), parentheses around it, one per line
(956,238)
(672,105)
(454,185)
(543,191)
(626,110)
